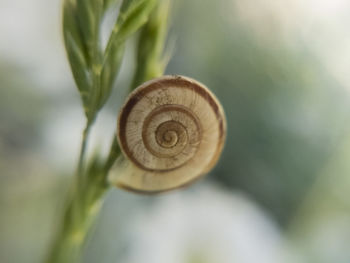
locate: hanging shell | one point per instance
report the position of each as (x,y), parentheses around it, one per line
(171,131)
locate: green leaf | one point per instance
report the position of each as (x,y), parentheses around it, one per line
(94,71)
(76,50)
(89,14)
(151,61)
(133,14)
(110,71)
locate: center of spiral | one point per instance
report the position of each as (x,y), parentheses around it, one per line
(171,133)
(170,139)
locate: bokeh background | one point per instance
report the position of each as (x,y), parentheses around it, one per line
(280,192)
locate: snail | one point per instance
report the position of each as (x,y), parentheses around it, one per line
(171,130)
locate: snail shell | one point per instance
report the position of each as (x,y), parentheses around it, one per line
(171,130)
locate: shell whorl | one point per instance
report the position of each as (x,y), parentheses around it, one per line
(172,129)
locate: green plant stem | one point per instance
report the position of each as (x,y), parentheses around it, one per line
(112,156)
(81,31)
(86,133)
(82,206)
(79,216)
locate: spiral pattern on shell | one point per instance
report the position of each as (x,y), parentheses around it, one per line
(172,129)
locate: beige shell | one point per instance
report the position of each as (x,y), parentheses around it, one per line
(171,130)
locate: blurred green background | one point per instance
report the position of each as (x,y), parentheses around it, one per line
(280,190)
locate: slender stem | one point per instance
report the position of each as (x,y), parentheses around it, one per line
(87,194)
(86,133)
(79,215)
(82,206)
(112,156)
